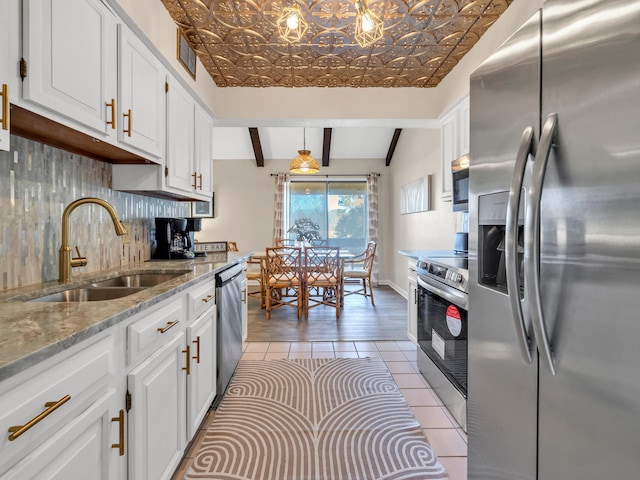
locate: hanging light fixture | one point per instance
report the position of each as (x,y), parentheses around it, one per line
(291,23)
(369,28)
(304,162)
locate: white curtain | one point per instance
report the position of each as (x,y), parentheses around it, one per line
(372,197)
(281,207)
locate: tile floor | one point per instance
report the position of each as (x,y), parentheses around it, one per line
(446,437)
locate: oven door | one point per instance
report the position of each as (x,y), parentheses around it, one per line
(442,329)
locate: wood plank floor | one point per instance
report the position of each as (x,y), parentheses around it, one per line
(359,320)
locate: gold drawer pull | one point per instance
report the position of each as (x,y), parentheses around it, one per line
(168,326)
(207,299)
(18,430)
(112,106)
(200,177)
(197,355)
(130,123)
(4,121)
(120,444)
(194,184)
(188,367)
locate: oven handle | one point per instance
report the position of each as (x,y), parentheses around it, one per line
(532,241)
(511,244)
(458,298)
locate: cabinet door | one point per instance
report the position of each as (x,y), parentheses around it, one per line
(201,381)
(204,151)
(9,46)
(180,143)
(141,80)
(412,310)
(449,134)
(156,420)
(70,49)
(463,127)
(82,448)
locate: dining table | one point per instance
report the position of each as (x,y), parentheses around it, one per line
(342,256)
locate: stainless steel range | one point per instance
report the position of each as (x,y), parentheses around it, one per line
(442,328)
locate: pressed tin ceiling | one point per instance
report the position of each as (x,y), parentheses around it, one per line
(239,45)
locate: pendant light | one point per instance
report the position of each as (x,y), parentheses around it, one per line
(304,163)
(369,28)
(291,24)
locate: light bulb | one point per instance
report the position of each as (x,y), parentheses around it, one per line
(292,20)
(367,22)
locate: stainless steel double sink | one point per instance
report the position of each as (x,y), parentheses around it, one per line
(109,289)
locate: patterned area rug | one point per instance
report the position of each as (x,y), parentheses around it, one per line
(314,419)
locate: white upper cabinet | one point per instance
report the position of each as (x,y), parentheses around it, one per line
(180,135)
(189,144)
(70,50)
(9,48)
(141,81)
(454,139)
(203,155)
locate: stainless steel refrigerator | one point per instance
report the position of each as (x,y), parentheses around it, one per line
(554,249)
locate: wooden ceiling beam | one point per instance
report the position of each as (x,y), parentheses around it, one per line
(326,146)
(392,147)
(257,146)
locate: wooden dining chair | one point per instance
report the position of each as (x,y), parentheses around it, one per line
(283,278)
(322,278)
(255,272)
(360,268)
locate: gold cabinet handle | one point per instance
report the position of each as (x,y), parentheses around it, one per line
(197,355)
(120,444)
(5,107)
(112,106)
(188,367)
(200,177)
(207,299)
(18,430)
(244,295)
(168,326)
(128,116)
(195,176)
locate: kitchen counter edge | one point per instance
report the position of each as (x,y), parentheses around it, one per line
(33,331)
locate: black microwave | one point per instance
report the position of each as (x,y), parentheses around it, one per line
(460,184)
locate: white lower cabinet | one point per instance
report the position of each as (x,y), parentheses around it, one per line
(82,448)
(123,404)
(201,381)
(57,416)
(156,433)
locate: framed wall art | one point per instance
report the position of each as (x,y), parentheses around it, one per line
(414,196)
(186,54)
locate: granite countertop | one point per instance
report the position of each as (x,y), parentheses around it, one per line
(34,331)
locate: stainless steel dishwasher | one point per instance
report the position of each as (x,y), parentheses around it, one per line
(229,329)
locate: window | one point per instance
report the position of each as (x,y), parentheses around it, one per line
(339,208)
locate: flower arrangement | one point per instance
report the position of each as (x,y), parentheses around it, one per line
(305,229)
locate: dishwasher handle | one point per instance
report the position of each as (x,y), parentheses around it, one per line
(228,275)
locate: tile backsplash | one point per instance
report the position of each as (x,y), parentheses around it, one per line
(37,182)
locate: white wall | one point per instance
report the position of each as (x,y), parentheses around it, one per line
(417,155)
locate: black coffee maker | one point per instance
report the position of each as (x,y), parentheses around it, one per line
(175,237)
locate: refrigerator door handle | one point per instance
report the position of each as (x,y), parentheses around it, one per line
(532,240)
(511,243)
